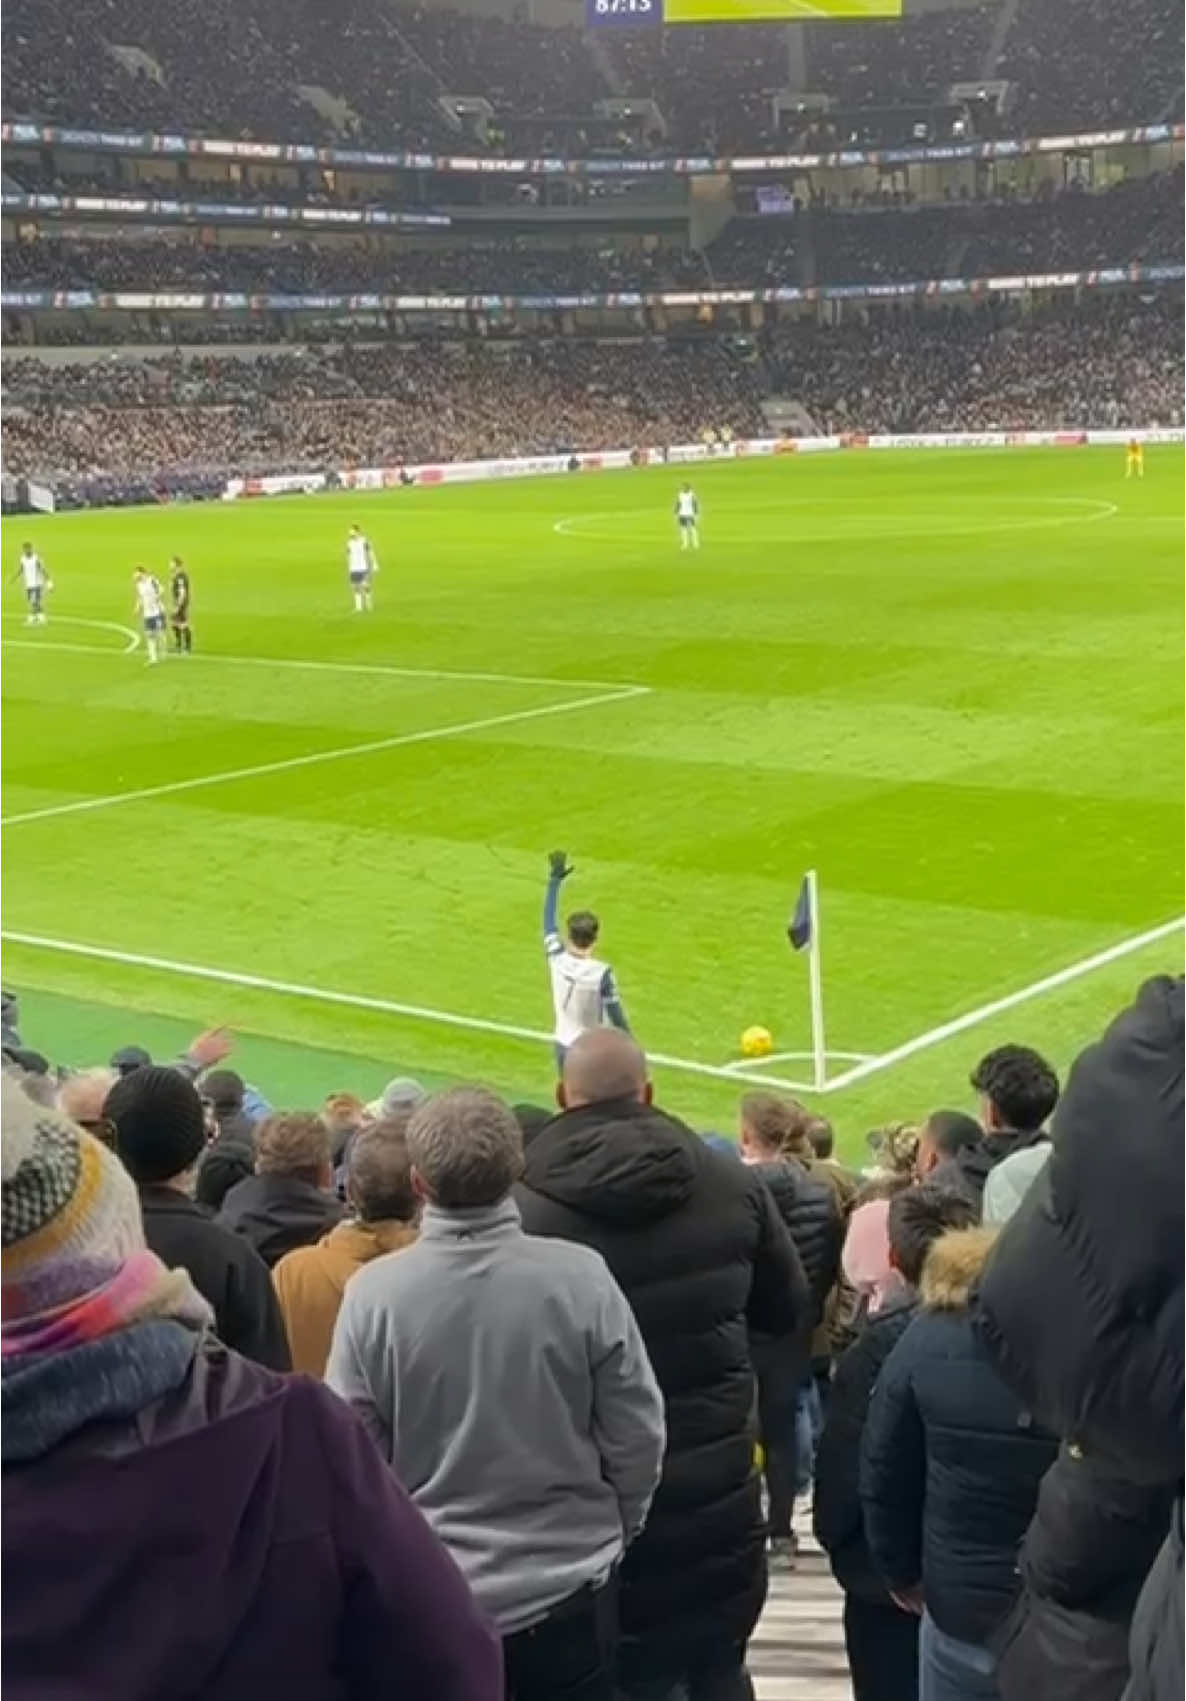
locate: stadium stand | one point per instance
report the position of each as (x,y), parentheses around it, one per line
(377,72)
(912,1260)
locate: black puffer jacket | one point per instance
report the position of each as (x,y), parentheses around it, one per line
(839,1520)
(950,1459)
(1081,1304)
(1084,1559)
(699,1251)
(808,1208)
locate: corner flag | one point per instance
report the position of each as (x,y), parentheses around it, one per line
(803,932)
(799,929)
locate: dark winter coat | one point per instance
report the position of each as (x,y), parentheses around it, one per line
(227,1160)
(225,1270)
(968,1169)
(838,1517)
(1081,1304)
(1085,1557)
(950,1459)
(277,1213)
(696,1245)
(235,1537)
(808,1208)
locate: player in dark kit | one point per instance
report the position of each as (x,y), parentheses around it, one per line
(183,638)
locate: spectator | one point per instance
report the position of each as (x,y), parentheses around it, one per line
(869,1269)
(1086,1554)
(230,1156)
(344,1114)
(881,1638)
(1081,1304)
(788,1402)
(311,1280)
(287,1202)
(1018,1090)
(82,1096)
(159,1136)
(260,1546)
(942,1137)
(894,1150)
(823,1144)
(505,1379)
(1009,1181)
(130,1058)
(950,1467)
(397,1098)
(700,1253)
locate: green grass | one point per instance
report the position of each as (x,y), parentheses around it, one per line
(949,681)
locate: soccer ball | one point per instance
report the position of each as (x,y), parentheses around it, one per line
(757,1042)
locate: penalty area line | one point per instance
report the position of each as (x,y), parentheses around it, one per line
(350,1000)
(286,764)
(1010,1001)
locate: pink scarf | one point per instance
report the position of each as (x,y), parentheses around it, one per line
(141,1288)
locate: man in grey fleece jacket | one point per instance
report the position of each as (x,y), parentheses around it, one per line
(505,1379)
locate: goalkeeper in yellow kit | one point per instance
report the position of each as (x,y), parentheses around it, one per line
(1134,459)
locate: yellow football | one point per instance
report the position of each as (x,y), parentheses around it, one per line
(757,1042)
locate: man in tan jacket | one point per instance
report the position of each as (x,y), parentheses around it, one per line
(310,1281)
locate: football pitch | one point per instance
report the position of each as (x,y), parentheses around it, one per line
(948,681)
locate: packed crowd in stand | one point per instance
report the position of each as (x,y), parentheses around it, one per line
(494,266)
(1112,361)
(1104,361)
(372,405)
(377,72)
(519,1401)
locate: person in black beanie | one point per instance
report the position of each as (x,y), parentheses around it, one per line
(160,1135)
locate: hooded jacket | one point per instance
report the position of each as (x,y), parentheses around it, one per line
(1081,1304)
(311,1280)
(227,1160)
(190,1526)
(699,1251)
(950,1458)
(277,1213)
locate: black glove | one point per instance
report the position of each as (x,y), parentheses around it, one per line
(559,866)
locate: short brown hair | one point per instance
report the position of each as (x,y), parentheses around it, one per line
(295,1143)
(379,1171)
(467,1148)
(778,1125)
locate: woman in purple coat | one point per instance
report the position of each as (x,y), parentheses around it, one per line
(179,1522)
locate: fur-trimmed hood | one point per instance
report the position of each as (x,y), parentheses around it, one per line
(952,1266)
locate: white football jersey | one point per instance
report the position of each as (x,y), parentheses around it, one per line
(32,571)
(579,989)
(358,556)
(150,597)
(686,505)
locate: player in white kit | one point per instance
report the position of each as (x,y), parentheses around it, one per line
(687,515)
(361,568)
(584,992)
(32,574)
(150,604)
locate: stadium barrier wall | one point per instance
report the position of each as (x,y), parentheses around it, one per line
(678,454)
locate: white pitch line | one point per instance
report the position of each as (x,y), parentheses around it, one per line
(353,1000)
(1010,1001)
(743,1064)
(380,669)
(370,747)
(133,637)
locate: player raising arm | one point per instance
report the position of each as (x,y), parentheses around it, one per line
(687,515)
(361,566)
(183,638)
(150,604)
(584,993)
(31,571)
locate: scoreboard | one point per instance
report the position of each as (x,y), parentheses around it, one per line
(640,14)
